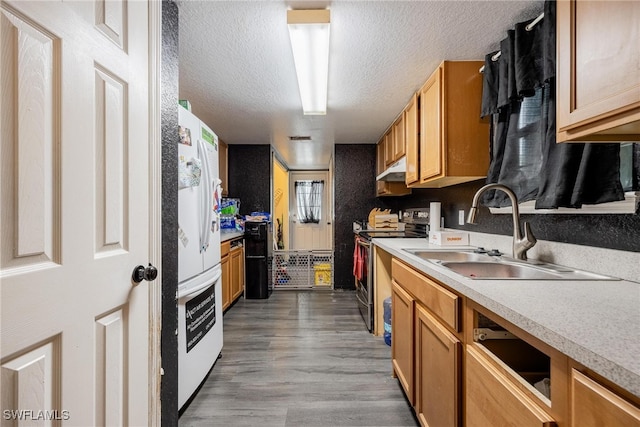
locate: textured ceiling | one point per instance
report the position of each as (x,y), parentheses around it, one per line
(236,66)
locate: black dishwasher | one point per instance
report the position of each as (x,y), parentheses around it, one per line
(258,241)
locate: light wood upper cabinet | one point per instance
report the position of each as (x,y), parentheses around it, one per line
(437,372)
(431,161)
(411,140)
(388,147)
(398,138)
(380,161)
(594,405)
(598,81)
(380,166)
(223,166)
(454,140)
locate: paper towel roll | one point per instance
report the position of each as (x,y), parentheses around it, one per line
(434,216)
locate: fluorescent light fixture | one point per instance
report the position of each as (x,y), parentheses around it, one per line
(309,34)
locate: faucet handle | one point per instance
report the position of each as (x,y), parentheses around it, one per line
(529,238)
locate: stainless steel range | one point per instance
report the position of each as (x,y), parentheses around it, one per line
(363,270)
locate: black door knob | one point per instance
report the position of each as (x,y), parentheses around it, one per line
(141,273)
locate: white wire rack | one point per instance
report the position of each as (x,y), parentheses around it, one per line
(302,269)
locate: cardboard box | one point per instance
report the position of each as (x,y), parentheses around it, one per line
(449,238)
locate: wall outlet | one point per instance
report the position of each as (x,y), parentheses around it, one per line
(461,217)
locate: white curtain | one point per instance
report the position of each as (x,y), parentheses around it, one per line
(309,201)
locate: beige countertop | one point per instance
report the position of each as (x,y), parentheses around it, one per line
(596,323)
(230,235)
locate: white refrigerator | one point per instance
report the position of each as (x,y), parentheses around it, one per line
(199,271)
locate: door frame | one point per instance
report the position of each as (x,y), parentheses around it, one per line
(155,210)
(327,200)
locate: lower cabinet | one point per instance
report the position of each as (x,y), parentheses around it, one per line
(437,372)
(232,263)
(595,405)
(492,399)
(460,364)
(426,354)
(226,282)
(237,272)
(402,354)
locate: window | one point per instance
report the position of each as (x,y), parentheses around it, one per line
(309,201)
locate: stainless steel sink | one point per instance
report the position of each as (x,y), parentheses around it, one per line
(502,270)
(481,266)
(499,270)
(455,256)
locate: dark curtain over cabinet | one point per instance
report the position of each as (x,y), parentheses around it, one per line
(519,95)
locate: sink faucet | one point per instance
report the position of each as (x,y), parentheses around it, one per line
(520,245)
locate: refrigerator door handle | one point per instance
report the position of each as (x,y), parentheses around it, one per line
(196,290)
(206,189)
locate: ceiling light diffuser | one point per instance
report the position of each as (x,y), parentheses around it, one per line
(309,34)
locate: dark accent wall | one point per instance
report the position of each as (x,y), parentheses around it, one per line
(250,177)
(354,198)
(169,268)
(610,231)
(355,168)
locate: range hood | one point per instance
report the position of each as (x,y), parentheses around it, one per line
(395,172)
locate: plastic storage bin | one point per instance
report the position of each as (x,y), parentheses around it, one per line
(322,274)
(386,304)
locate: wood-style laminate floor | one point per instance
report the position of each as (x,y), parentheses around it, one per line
(300,358)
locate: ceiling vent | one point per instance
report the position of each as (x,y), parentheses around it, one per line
(299,138)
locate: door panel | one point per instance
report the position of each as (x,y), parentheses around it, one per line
(75,210)
(438,355)
(189,255)
(310,236)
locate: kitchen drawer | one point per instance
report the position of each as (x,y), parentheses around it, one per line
(440,301)
(493,400)
(594,405)
(225,247)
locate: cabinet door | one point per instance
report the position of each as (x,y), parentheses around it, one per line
(431,127)
(593,405)
(493,400)
(411,140)
(437,372)
(226,282)
(398,138)
(388,147)
(380,166)
(242,270)
(402,344)
(598,78)
(236,273)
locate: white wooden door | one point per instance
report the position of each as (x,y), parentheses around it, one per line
(75,213)
(310,236)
